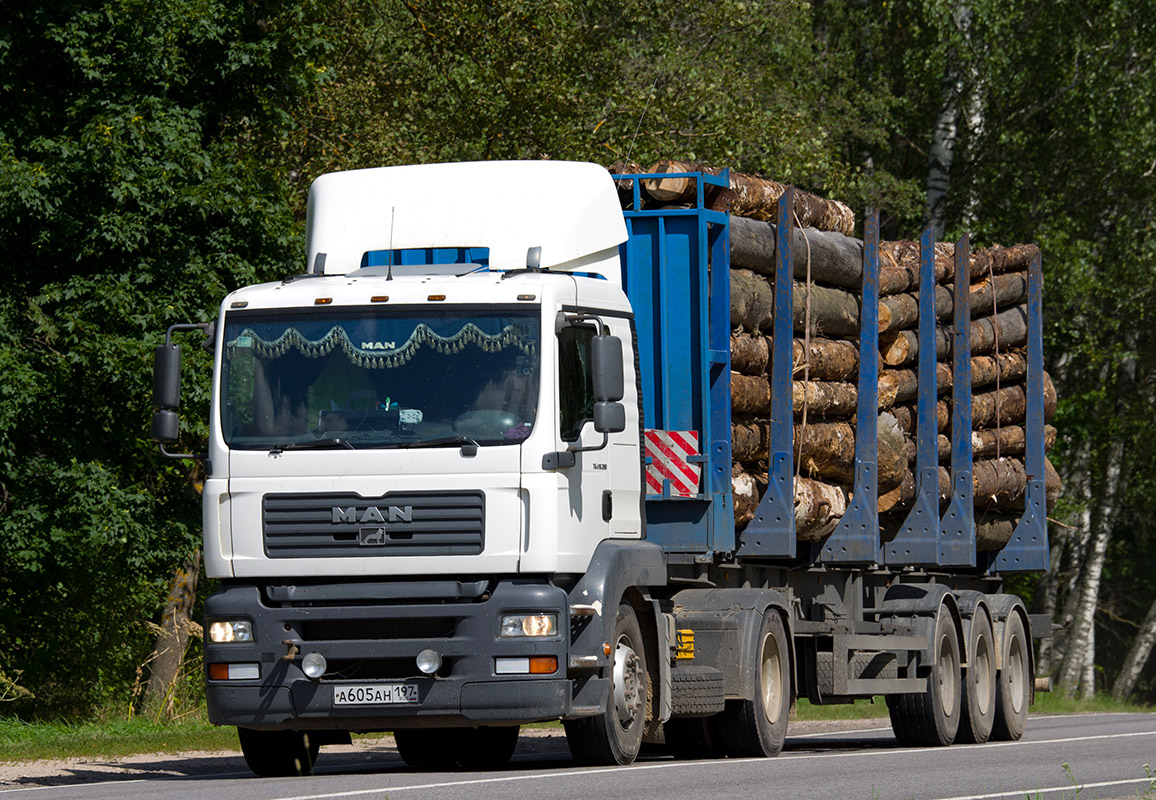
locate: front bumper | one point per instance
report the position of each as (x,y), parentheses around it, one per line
(377,643)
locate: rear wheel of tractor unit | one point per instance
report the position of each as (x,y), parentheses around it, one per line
(473,749)
(931,717)
(615,735)
(1012,686)
(978,706)
(278,754)
(758,727)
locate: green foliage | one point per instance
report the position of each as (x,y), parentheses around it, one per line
(132,196)
(737,83)
(151,156)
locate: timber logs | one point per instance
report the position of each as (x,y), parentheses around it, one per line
(901,347)
(750,196)
(830,312)
(822,360)
(826,305)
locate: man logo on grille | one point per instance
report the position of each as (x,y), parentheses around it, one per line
(348,514)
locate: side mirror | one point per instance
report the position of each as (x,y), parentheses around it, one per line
(609,417)
(167,387)
(606,358)
(606,363)
(166,426)
(167,377)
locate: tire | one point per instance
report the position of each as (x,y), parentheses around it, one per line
(427,748)
(931,717)
(615,735)
(693,738)
(1013,682)
(757,728)
(486,748)
(977,713)
(278,754)
(473,749)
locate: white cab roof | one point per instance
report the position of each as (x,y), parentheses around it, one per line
(568,209)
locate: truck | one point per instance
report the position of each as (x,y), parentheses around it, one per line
(471,469)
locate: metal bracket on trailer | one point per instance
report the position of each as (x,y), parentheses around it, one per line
(1027,550)
(957,528)
(856,537)
(917,542)
(772,531)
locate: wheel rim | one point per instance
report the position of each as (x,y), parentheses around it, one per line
(771,673)
(1015,673)
(984,675)
(628,682)
(948,675)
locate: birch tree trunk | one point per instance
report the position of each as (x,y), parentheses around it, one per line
(1076,673)
(1137,657)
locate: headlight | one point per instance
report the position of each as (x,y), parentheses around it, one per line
(234,630)
(529,625)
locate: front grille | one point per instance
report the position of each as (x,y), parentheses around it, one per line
(395,524)
(337,630)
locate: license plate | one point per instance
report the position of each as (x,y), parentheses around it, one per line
(373,694)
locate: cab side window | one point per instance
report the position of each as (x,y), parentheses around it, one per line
(575,379)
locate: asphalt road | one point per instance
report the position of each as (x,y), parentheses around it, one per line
(1085,756)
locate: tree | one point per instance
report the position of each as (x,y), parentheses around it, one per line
(134,193)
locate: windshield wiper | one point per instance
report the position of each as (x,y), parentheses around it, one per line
(316,444)
(469,446)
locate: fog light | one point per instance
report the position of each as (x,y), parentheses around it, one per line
(235,630)
(313,665)
(429,661)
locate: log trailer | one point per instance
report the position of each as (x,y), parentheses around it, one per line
(472,470)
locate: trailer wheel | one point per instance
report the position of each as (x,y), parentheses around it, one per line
(1012,687)
(278,754)
(758,727)
(472,749)
(931,717)
(978,707)
(615,735)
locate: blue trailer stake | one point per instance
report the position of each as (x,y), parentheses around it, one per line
(957,529)
(1028,548)
(772,531)
(917,542)
(856,537)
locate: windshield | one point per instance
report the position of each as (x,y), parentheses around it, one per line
(378,378)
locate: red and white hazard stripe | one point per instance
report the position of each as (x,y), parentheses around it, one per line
(668,452)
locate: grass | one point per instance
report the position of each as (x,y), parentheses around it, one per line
(860,709)
(113,738)
(28,741)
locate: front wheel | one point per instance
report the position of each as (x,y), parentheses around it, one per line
(1012,687)
(278,754)
(615,735)
(758,727)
